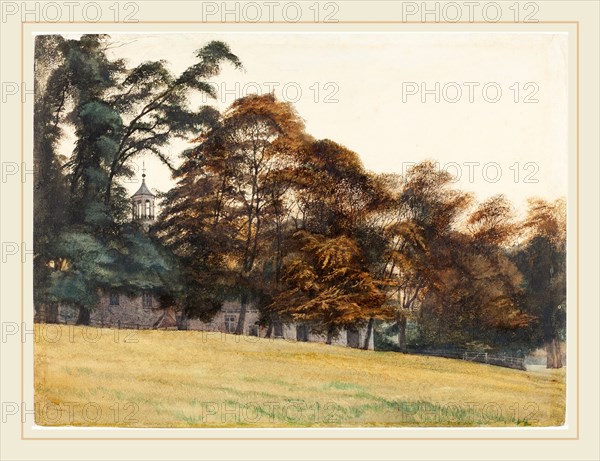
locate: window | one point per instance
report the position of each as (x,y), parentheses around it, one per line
(139,209)
(147,210)
(113,299)
(147,299)
(230,323)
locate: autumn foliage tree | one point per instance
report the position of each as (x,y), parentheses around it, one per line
(421,218)
(329,287)
(542,261)
(450,275)
(230,196)
(333,193)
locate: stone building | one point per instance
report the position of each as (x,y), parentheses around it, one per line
(145,312)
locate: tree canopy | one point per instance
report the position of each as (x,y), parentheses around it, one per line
(263,212)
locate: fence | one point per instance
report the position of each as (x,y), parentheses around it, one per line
(499,360)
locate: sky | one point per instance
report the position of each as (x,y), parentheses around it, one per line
(499,123)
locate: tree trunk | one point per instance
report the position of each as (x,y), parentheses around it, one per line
(369,333)
(553,354)
(182,322)
(329,335)
(84,316)
(550,354)
(242,320)
(269,329)
(402,333)
(50,313)
(559,361)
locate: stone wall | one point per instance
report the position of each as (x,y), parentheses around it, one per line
(350,338)
(226,320)
(132,313)
(129,312)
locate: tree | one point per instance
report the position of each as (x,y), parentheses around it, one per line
(492,229)
(422,216)
(475,302)
(117,114)
(542,261)
(197,225)
(256,144)
(50,198)
(71,93)
(408,273)
(230,193)
(333,194)
(492,223)
(329,287)
(128,264)
(153,104)
(458,285)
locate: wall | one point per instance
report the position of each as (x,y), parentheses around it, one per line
(131,313)
(231,309)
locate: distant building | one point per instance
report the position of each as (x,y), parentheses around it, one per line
(144,312)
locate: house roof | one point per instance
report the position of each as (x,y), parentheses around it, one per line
(143,190)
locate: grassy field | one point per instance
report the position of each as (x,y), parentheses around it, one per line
(104,377)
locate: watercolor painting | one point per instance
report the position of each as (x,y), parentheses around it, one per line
(300,229)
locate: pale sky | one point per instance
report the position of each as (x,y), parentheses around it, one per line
(355,88)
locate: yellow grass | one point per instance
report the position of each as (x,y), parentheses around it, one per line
(103,377)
